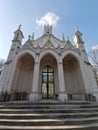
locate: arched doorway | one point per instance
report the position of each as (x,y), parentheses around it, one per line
(23,78)
(47,82)
(73,78)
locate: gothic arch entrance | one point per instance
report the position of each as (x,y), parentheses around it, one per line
(47,82)
(73,78)
(23,78)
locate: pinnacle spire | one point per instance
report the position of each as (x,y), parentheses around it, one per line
(48,29)
(63,37)
(68,41)
(67,38)
(29,37)
(77,29)
(33,36)
(19,27)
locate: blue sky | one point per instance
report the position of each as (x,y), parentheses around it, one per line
(71,13)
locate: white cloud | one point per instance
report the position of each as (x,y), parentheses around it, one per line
(95,47)
(48,19)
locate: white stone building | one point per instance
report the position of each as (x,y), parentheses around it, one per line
(48,68)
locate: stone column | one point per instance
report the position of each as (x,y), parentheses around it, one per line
(34,93)
(62,90)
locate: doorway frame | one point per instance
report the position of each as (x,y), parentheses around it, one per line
(47,73)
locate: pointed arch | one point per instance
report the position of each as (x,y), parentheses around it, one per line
(23,75)
(53,53)
(49,58)
(24,52)
(73,53)
(73,77)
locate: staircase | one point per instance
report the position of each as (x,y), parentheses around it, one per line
(48,115)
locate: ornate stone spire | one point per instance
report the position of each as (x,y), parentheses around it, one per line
(29,37)
(19,26)
(63,37)
(67,40)
(47,29)
(77,29)
(33,36)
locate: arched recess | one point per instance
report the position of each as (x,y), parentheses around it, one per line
(49,62)
(23,77)
(73,78)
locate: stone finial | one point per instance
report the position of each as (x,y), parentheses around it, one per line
(33,36)
(63,38)
(19,27)
(67,38)
(68,41)
(77,29)
(29,37)
(48,29)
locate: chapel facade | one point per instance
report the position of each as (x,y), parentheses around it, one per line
(48,68)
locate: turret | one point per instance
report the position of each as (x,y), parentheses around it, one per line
(18,35)
(8,67)
(79,44)
(16,43)
(78,38)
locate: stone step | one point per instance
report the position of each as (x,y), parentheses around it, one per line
(66,102)
(48,115)
(46,106)
(48,122)
(47,102)
(52,110)
(36,106)
(93,126)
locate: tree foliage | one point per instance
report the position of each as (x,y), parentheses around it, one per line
(93,56)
